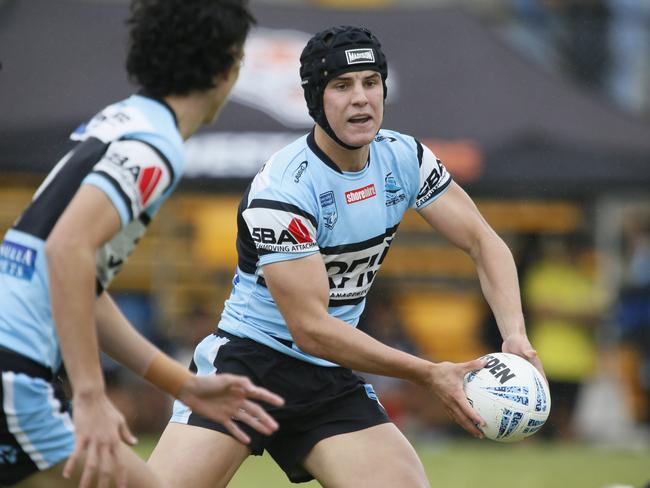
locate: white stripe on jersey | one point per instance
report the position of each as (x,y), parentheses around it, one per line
(433,178)
(112,122)
(280,230)
(139,171)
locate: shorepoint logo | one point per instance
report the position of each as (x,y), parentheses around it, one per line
(354,196)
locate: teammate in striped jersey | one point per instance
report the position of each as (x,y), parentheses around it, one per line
(313,229)
(60,256)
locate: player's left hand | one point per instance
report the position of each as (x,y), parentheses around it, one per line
(225,398)
(520,345)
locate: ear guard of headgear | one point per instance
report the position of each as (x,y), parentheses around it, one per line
(330,53)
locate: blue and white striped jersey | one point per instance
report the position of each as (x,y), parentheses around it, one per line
(301,203)
(133,152)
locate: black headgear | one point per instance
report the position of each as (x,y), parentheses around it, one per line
(330,53)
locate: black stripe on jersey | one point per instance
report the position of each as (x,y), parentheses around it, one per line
(118,189)
(162,157)
(333,302)
(447,183)
(246,251)
(345,301)
(286,207)
(420,151)
(44,211)
(320,154)
(358,246)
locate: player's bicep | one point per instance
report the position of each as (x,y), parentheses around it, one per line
(455,216)
(88,221)
(300,289)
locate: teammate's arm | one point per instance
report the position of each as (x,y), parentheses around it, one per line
(219,397)
(301,291)
(455,216)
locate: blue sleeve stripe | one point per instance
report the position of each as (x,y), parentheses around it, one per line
(286,207)
(108,185)
(278,257)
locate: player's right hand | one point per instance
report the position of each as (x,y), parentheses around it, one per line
(447,383)
(100,429)
(225,398)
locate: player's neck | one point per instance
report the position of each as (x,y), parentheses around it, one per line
(348,160)
(190,113)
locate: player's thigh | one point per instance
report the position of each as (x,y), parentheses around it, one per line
(187,455)
(138,474)
(379,456)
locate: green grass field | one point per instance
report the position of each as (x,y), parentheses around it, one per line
(485,464)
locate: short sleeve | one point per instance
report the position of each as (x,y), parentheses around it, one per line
(434,177)
(280,230)
(133,175)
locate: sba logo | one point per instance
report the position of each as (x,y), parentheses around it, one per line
(8,454)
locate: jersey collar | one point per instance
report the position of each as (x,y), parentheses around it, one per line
(160,100)
(311,142)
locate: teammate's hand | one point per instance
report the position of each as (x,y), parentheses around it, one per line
(447,383)
(100,429)
(520,345)
(226,397)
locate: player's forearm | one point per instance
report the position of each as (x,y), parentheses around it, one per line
(332,339)
(72,294)
(119,339)
(498,277)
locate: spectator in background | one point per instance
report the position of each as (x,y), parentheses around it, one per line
(633,307)
(602,45)
(629,43)
(564,307)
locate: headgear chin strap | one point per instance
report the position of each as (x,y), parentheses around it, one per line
(330,53)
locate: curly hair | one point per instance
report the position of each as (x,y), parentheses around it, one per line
(179,46)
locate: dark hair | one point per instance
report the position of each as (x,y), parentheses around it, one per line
(179,46)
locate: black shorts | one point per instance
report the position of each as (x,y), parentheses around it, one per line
(35,425)
(320,402)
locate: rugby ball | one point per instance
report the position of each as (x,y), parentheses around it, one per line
(511,395)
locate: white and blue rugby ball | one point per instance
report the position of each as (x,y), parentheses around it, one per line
(511,395)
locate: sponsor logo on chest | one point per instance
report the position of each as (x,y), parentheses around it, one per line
(360,194)
(17,261)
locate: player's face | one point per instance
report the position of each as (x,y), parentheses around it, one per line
(224,85)
(354,106)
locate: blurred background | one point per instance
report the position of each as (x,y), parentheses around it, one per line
(540,109)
